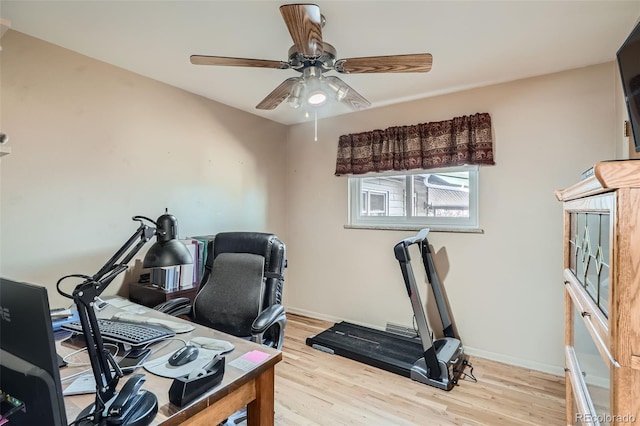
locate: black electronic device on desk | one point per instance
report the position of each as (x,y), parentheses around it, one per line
(131,405)
(30,387)
(188,387)
(133,359)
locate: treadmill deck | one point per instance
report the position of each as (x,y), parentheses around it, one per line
(388,351)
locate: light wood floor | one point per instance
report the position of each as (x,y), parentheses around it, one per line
(316,388)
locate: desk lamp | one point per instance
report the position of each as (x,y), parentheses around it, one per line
(131,406)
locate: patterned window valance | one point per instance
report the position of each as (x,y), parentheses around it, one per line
(462,140)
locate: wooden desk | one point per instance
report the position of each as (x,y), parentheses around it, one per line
(254,389)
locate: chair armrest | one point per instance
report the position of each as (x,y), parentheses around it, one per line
(175,307)
(267,318)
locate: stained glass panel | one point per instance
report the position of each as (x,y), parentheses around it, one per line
(603,293)
(589,254)
(572,242)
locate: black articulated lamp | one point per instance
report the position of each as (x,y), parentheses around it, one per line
(131,406)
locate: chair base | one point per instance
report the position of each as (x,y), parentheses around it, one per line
(239,417)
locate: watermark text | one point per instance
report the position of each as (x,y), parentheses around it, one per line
(605,418)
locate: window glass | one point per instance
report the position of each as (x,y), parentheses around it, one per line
(377,203)
(443,198)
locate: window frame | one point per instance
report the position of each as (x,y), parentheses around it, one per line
(470,224)
(367,208)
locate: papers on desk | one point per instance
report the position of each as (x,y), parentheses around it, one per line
(132,312)
(123,304)
(83,384)
(119,302)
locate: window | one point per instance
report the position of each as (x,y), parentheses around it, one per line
(437,198)
(374,203)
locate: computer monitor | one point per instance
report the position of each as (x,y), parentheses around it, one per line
(28,360)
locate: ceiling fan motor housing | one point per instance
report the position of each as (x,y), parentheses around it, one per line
(325,61)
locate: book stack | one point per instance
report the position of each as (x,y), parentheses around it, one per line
(182,277)
(60,313)
(61,316)
(166,278)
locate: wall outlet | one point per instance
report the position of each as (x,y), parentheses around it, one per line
(627,129)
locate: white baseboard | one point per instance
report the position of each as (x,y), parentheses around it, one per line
(517,362)
(323,317)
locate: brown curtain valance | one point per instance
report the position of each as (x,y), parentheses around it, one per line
(456,142)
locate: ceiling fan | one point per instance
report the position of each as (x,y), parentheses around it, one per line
(312,57)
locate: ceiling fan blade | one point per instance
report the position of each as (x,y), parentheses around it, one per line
(237,62)
(420,62)
(278,94)
(304,22)
(354,99)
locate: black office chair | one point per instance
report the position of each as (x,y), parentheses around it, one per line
(241,288)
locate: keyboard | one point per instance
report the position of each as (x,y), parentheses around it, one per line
(125,332)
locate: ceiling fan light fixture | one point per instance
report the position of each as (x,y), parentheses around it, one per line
(317,98)
(341,89)
(316,94)
(295,97)
(341,93)
(294,102)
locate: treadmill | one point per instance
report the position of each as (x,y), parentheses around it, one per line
(437,362)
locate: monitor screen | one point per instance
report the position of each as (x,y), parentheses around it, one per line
(629,64)
(28,361)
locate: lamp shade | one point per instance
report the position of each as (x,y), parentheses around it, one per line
(167,251)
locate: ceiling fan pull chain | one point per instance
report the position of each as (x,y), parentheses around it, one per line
(315,135)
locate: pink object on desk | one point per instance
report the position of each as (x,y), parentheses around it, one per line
(255,356)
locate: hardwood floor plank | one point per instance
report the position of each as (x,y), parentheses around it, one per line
(316,389)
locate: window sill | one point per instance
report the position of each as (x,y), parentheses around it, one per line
(416,228)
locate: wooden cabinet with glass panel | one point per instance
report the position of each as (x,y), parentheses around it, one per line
(602,295)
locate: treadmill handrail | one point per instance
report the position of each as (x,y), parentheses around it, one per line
(421,236)
(401,251)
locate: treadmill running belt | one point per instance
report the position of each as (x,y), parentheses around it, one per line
(388,351)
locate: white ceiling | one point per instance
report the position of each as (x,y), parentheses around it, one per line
(473,43)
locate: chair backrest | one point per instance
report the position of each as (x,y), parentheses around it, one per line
(244,274)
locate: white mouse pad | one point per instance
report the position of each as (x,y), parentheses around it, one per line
(221,346)
(160,366)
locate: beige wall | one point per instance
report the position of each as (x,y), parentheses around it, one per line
(505,286)
(94,145)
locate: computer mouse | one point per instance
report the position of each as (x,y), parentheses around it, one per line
(184,355)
